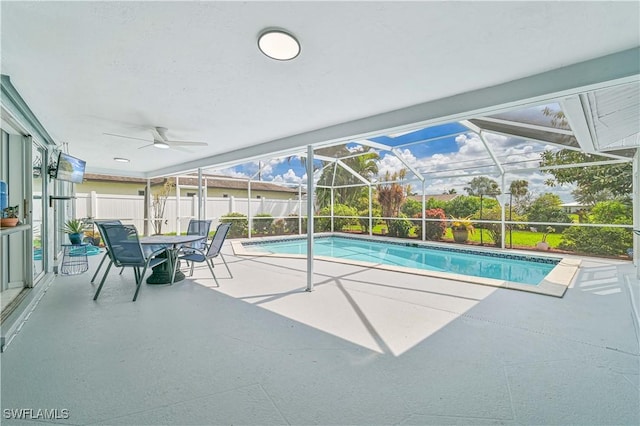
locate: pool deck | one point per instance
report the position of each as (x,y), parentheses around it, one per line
(367,346)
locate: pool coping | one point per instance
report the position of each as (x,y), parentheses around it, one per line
(554,284)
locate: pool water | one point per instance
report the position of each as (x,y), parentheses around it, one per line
(515,268)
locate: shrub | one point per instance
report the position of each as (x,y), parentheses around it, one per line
(324,223)
(399,227)
(292,224)
(239,224)
(601,240)
(411,207)
(262,223)
(279,227)
(364,218)
(434,230)
(598,241)
(495,229)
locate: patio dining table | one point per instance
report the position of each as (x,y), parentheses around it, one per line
(162,273)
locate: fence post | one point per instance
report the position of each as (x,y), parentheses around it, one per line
(93,205)
(177,205)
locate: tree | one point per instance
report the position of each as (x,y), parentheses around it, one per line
(547,208)
(482,185)
(365,165)
(594,181)
(392,195)
(159,203)
(521,197)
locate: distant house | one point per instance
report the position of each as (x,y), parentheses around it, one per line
(217,186)
(574,207)
(437,197)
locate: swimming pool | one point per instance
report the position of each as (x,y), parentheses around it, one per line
(520,269)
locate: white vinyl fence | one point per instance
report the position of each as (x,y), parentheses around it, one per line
(130,209)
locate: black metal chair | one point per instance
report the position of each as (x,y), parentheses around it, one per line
(125,251)
(192,254)
(99,224)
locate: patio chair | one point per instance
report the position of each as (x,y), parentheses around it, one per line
(125,251)
(192,254)
(99,223)
(197,227)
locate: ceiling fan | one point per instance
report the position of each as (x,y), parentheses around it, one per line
(160,140)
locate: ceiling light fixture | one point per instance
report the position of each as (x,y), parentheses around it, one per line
(121,160)
(161,145)
(278,44)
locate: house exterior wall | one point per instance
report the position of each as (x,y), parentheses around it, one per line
(117,188)
(132,188)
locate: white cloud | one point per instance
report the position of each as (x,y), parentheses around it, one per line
(470,158)
(289,177)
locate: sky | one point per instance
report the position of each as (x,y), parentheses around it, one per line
(456,151)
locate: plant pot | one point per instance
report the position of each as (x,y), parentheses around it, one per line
(75,238)
(460,235)
(9,222)
(542,245)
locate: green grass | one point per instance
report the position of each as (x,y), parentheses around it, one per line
(520,238)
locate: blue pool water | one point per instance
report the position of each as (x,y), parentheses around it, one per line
(515,268)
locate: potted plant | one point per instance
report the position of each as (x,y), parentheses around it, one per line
(543,245)
(461,228)
(92,237)
(10,217)
(75,228)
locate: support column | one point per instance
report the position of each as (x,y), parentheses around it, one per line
(370,212)
(200,204)
(310,191)
(424,213)
(249,216)
(178,206)
(147,209)
(502,212)
(300,209)
(332,209)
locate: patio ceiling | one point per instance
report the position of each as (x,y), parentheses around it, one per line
(90,68)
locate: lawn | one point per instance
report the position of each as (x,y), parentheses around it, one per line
(520,238)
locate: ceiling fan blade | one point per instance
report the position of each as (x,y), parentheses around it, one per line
(187,143)
(144,146)
(126,137)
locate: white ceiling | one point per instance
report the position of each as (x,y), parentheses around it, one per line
(86,68)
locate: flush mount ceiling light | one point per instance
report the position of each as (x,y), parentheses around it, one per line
(278,45)
(121,160)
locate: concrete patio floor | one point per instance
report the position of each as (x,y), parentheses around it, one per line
(366,347)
